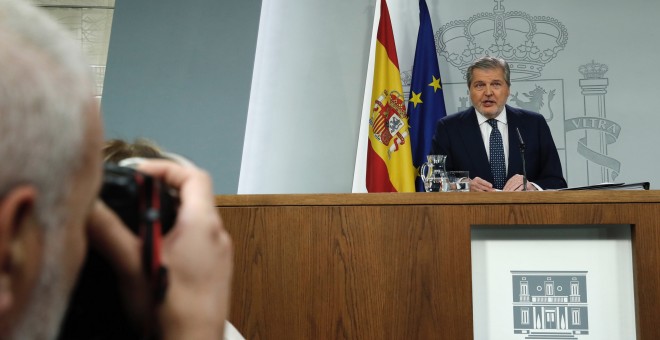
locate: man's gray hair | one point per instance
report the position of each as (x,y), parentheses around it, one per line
(489,63)
(45,90)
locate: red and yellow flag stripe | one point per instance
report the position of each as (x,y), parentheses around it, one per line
(389,156)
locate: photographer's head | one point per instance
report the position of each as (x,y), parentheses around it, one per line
(50,137)
(116,150)
(125,153)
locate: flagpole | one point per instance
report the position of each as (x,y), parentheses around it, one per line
(359,174)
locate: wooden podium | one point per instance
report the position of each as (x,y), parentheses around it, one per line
(397,266)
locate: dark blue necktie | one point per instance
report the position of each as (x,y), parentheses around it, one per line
(497,165)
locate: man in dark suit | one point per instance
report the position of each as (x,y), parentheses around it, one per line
(484,141)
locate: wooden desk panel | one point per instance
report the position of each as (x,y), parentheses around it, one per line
(397,266)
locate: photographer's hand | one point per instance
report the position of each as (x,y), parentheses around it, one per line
(197,253)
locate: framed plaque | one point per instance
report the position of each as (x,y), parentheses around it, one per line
(553,282)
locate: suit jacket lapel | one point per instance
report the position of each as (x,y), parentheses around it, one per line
(474,144)
(513,122)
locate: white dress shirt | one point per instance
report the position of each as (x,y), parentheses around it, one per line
(504,131)
(502,125)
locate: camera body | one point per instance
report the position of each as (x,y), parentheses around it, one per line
(148,207)
(138,198)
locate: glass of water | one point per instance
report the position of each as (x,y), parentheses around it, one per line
(436,183)
(459,181)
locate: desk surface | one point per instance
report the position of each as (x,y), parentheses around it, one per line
(451,198)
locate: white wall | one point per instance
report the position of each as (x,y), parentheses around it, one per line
(306,96)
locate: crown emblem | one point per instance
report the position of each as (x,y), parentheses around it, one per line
(526,42)
(593,70)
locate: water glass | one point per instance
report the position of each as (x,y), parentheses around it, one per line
(459,181)
(436,183)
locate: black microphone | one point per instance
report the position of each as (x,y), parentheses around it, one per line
(522,155)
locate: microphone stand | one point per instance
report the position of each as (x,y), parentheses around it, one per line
(522,155)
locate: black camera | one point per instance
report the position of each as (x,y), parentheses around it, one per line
(138,199)
(148,207)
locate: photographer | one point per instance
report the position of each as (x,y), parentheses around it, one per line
(103,316)
(50,142)
(197,253)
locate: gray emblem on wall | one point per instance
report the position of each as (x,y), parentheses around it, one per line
(599,132)
(550,304)
(526,42)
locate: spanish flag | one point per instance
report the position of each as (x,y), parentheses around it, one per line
(389,156)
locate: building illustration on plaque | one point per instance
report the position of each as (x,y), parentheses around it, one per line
(530,43)
(550,304)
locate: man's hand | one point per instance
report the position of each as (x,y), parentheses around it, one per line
(197,253)
(515,183)
(479,184)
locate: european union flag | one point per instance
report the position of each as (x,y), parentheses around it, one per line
(427,102)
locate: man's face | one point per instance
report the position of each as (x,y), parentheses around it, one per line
(65,245)
(489,91)
(85,189)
